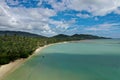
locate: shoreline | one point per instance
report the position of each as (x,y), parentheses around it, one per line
(10,67)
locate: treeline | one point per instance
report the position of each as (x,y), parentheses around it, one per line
(13,47)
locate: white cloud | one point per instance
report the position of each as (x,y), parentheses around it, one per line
(103,27)
(95,7)
(38,19)
(83,15)
(61,26)
(59,6)
(26,19)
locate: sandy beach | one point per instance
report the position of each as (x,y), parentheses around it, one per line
(8,68)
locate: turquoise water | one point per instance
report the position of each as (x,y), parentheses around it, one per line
(84,60)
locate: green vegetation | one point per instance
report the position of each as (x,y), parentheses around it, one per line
(15,46)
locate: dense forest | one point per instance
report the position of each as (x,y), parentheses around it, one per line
(15,45)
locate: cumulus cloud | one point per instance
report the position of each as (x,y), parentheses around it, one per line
(26,19)
(36,18)
(95,7)
(103,27)
(98,7)
(62,26)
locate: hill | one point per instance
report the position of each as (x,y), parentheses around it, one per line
(78,37)
(20,33)
(61,36)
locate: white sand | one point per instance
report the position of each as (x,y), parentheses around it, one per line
(5,69)
(8,68)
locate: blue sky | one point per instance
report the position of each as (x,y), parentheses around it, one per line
(52,17)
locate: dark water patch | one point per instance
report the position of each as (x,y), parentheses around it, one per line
(87,67)
(79,60)
(75,60)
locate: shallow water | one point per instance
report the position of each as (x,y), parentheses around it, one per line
(84,60)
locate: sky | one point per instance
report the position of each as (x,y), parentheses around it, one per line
(52,17)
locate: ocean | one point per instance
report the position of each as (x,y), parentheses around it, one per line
(77,60)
